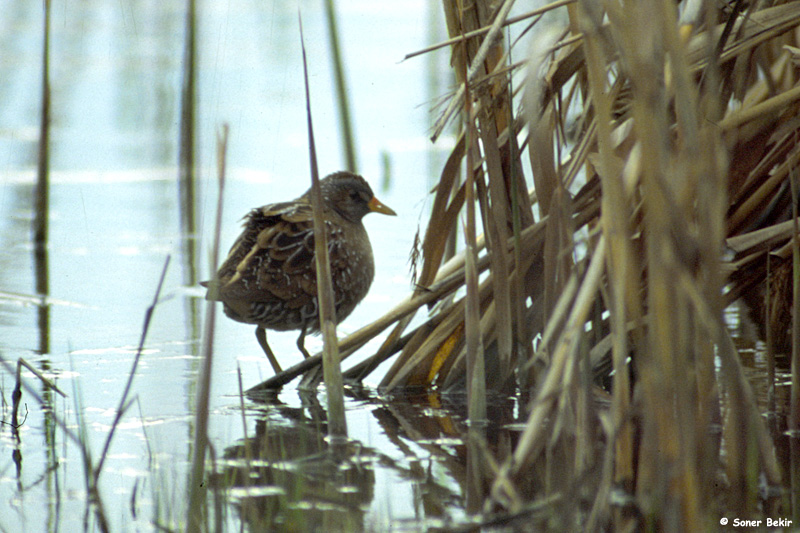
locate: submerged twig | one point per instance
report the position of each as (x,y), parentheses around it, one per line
(123,401)
(49,383)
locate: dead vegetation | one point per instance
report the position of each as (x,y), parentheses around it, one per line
(663,154)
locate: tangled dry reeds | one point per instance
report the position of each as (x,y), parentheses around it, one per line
(663,153)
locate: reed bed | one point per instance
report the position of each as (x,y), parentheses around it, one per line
(617,185)
(663,153)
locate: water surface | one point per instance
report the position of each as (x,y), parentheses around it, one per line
(114,219)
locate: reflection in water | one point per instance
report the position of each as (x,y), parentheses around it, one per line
(775,402)
(42,276)
(187,170)
(288,476)
(41,212)
(114,214)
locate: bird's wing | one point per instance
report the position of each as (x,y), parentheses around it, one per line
(273,258)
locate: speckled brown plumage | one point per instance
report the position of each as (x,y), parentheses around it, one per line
(269,277)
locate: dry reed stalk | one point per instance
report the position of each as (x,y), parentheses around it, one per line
(76,435)
(334,386)
(342,94)
(187,145)
(622,264)
(653,148)
(666,456)
(443,215)
(665,200)
(553,393)
(41,377)
(794,412)
(482,31)
(42,190)
(196,508)
(487,52)
(476,370)
(124,403)
(419,360)
(492,118)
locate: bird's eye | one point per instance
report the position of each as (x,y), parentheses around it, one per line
(354,195)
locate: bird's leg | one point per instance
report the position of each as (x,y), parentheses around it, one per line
(301,342)
(261,335)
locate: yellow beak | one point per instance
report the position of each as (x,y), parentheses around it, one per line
(376,206)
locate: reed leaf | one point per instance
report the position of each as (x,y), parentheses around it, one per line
(337,422)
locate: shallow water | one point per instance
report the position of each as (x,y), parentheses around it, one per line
(114,218)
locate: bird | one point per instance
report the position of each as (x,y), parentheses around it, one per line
(269,276)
